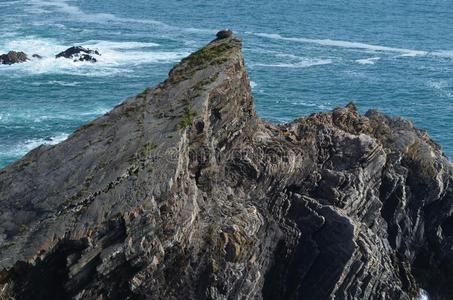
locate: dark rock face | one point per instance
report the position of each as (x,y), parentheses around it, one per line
(13,57)
(78,53)
(223,34)
(183,193)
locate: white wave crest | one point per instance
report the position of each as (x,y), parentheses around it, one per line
(368,61)
(98,44)
(344,44)
(114,54)
(73,11)
(443,53)
(53,140)
(23,147)
(64,7)
(303,63)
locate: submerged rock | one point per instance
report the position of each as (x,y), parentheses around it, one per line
(13,57)
(78,53)
(37,56)
(182,192)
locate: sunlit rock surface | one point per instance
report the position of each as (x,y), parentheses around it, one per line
(182,192)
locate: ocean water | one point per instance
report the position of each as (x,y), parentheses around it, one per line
(303,56)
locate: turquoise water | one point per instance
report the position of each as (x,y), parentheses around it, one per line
(303,56)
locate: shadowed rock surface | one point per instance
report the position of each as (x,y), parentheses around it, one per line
(13,57)
(78,53)
(182,192)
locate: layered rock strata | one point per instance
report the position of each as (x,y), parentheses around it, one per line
(182,192)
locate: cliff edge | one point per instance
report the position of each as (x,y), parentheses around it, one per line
(182,192)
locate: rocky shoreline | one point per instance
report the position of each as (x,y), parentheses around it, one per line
(76,53)
(182,192)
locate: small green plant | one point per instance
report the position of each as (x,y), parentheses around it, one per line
(187,118)
(208,54)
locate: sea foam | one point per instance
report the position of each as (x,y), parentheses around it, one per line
(368,61)
(114,55)
(344,44)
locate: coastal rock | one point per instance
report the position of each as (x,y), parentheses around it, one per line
(182,192)
(13,57)
(78,53)
(37,56)
(223,34)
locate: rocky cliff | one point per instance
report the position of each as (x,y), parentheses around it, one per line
(182,192)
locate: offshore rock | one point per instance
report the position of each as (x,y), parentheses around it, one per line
(182,192)
(13,57)
(78,53)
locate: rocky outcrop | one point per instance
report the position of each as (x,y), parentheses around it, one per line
(182,192)
(223,34)
(13,57)
(78,53)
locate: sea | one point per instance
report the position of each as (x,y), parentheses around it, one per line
(303,57)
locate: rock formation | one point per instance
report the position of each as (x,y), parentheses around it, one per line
(225,33)
(182,192)
(78,53)
(13,57)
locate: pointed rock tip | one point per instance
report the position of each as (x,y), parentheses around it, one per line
(224,33)
(351,106)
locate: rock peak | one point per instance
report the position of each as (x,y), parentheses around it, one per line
(182,192)
(225,33)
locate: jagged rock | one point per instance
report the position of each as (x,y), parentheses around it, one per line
(223,34)
(182,192)
(78,53)
(13,57)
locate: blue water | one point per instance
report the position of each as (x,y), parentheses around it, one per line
(303,56)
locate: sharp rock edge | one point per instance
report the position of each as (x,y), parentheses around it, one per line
(181,192)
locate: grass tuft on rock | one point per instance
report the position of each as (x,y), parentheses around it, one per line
(187,118)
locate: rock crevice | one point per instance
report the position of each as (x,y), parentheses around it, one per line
(182,192)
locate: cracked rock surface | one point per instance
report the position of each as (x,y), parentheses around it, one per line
(182,192)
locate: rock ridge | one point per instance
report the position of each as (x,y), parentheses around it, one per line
(182,192)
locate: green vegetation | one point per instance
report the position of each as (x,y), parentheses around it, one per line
(210,53)
(187,118)
(146,150)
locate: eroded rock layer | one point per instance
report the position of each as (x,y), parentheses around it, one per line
(181,192)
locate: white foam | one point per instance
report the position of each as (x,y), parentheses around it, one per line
(441,86)
(75,12)
(442,53)
(368,61)
(311,104)
(26,146)
(303,63)
(55,82)
(62,6)
(423,295)
(253,84)
(344,44)
(114,55)
(33,143)
(98,44)
(9,3)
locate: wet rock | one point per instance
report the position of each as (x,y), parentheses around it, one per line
(78,53)
(37,56)
(13,57)
(182,192)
